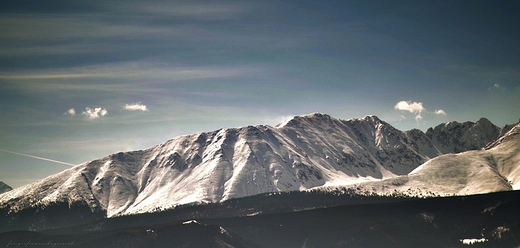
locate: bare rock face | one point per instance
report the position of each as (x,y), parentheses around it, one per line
(454,137)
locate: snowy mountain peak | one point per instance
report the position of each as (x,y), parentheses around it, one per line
(324,119)
(373,119)
(298,121)
(318,115)
(370,120)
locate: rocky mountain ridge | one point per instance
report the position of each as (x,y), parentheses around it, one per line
(492,169)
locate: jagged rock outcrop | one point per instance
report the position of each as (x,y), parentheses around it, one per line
(454,137)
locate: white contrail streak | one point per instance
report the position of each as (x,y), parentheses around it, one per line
(36,157)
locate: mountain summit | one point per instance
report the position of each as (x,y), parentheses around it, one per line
(302,153)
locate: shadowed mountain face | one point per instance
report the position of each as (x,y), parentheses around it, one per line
(302,153)
(4,187)
(359,221)
(454,137)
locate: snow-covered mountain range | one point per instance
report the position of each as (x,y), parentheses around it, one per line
(495,168)
(306,152)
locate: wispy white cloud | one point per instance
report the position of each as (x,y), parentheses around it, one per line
(132,71)
(120,78)
(206,11)
(50,49)
(497,88)
(418,118)
(55,76)
(94,113)
(440,112)
(28,26)
(135,107)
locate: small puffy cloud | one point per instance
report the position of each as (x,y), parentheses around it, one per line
(135,107)
(412,107)
(497,88)
(70,112)
(94,113)
(440,112)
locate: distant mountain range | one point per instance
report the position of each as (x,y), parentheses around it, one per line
(313,152)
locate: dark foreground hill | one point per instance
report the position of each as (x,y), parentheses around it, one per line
(493,219)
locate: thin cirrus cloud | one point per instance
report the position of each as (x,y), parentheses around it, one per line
(50,28)
(133,71)
(117,77)
(94,113)
(206,11)
(135,107)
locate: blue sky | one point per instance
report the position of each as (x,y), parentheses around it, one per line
(83,79)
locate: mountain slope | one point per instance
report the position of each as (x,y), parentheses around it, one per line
(491,219)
